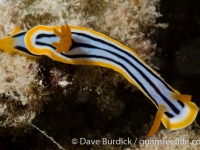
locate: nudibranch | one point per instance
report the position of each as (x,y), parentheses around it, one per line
(81,46)
(16,44)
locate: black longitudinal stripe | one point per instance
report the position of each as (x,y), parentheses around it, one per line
(44,44)
(75,44)
(169,115)
(115,47)
(181,103)
(118,63)
(25,50)
(19,34)
(45,35)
